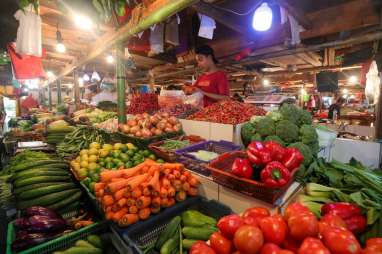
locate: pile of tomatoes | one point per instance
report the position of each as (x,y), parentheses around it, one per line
(297,232)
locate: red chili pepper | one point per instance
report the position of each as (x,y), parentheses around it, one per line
(293,158)
(275,174)
(356,224)
(258,154)
(277,150)
(341,209)
(242,168)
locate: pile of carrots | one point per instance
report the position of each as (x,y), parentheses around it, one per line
(130,195)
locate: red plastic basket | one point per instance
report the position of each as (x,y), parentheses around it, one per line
(220,168)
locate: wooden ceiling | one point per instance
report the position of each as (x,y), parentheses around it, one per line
(325,21)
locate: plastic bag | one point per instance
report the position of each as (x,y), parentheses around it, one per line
(373,82)
(170,98)
(195,99)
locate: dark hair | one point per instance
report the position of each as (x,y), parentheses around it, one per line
(206,50)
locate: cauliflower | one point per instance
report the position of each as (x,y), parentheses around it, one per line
(265,126)
(247,131)
(305,151)
(290,112)
(287,131)
(275,138)
(308,134)
(305,118)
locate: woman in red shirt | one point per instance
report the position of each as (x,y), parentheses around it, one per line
(213,84)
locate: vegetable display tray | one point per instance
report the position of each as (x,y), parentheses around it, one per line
(168,155)
(199,166)
(145,142)
(141,235)
(220,170)
(114,243)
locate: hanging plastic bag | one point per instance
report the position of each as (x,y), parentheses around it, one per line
(195,99)
(373,83)
(157,39)
(172,31)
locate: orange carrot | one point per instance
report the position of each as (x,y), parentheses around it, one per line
(115,207)
(144,213)
(117,179)
(122,202)
(109,215)
(167,171)
(154,181)
(193,181)
(171,202)
(143,202)
(131,202)
(136,181)
(170,177)
(146,192)
(186,174)
(99,186)
(192,191)
(155,202)
(163,192)
(136,193)
(177,174)
(164,202)
(183,178)
(186,186)
(133,209)
(115,186)
(127,193)
(118,215)
(101,192)
(165,183)
(177,185)
(180,196)
(119,194)
(155,210)
(108,200)
(152,169)
(173,166)
(171,192)
(128,219)
(107,175)
(107,209)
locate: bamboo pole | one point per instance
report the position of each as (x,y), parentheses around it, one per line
(121,86)
(76,91)
(59,97)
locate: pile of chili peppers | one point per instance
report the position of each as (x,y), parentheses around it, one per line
(143,103)
(227,112)
(275,162)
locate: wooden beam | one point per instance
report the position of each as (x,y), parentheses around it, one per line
(314,69)
(127,31)
(347,16)
(296,13)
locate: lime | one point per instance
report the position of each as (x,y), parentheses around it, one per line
(102,163)
(95,145)
(86,181)
(107,147)
(84,151)
(76,166)
(117,146)
(92,166)
(124,148)
(83,172)
(78,159)
(124,157)
(91,186)
(93,151)
(84,157)
(93,158)
(103,153)
(130,153)
(146,153)
(115,161)
(130,146)
(116,153)
(160,161)
(152,156)
(95,178)
(109,159)
(137,162)
(84,164)
(129,164)
(109,165)
(120,164)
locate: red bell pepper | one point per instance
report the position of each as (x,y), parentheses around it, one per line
(275,174)
(293,158)
(277,150)
(242,167)
(258,154)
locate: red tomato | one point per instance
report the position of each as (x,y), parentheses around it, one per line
(248,239)
(342,241)
(229,224)
(313,246)
(285,252)
(302,226)
(291,244)
(330,220)
(295,208)
(220,244)
(201,247)
(270,248)
(253,214)
(274,229)
(374,244)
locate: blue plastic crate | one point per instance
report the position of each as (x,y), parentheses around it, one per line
(142,234)
(199,166)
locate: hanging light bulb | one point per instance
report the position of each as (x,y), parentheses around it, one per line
(95,76)
(110,59)
(262,18)
(60,47)
(86,77)
(83,22)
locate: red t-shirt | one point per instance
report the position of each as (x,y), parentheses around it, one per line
(215,83)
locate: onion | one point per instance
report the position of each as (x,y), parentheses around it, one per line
(179,126)
(145,115)
(138,134)
(168,129)
(134,129)
(126,129)
(173,120)
(158,132)
(153,129)
(169,125)
(146,124)
(132,123)
(161,125)
(176,128)
(140,122)
(146,133)
(154,120)
(165,115)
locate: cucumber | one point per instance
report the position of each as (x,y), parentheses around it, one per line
(95,240)
(83,243)
(37,171)
(45,190)
(199,233)
(168,232)
(40,179)
(170,246)
(48,199)
(70,208)
(187,243)
(66,202)
(17,191)
(82,250)
(28,165)
(62,165)
(43,173)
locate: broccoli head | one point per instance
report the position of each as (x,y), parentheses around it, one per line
(305,118)
(287,131)
(247,131)
(265,126)
(275,138)
(290,112)
(305,151)
(256,137)
(275,116)
(314,147)
(308,134)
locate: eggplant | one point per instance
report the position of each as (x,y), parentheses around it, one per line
(45,224)
(39,210)
(30,240)
(22,223)
(21,234)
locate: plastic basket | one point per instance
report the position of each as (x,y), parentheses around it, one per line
(199,166)
(145,142)
(140,235)
(66,241)
(168,155)
(94,202)
(221,167)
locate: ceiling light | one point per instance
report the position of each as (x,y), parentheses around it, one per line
(345,91)
(110,59)
(95,76)
(50,74)
(262,18)
(70,86)
(353,79)
(83,22)
(303,92)
(86,77)
(266,82)
(60,48)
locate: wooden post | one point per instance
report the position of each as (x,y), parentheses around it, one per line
(76,91)
(59,97)
(50,96)
(378,116)
(121,86)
